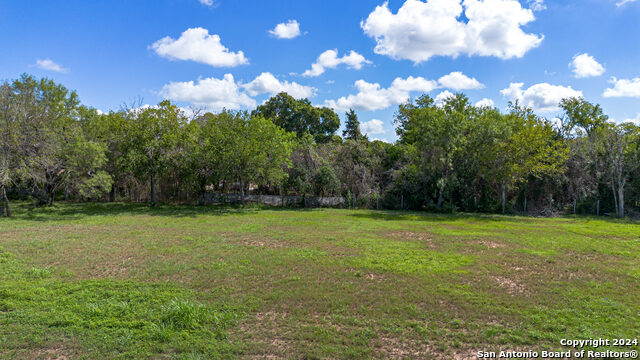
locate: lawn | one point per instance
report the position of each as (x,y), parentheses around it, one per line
(88,281)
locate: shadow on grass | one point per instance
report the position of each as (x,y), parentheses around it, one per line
(62,211)
(76,211)
(397,215)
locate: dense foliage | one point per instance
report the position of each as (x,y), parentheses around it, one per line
(448,157)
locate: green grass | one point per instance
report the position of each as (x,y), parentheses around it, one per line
(85,281)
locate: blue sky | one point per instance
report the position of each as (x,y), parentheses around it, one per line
(233,53)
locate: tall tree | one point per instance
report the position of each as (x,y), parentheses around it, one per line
(256,150)
(11,145)
(153,134)
(618,145)
(352,127)
(300,117)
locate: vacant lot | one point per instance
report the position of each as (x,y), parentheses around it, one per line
(126,281)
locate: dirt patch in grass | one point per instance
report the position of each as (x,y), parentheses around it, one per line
(364,275)
(511,286)
(410,236)
(491,244)
(63,350)
(395,348)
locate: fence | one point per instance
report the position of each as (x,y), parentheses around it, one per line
(276,200)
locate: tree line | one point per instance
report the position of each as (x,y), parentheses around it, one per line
(449,157)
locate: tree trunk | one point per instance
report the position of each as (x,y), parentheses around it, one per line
(112,193)
(1,201)
(598,207)
(242,192)
(574,205)
(7,208)
(52,196)
(201,199)
(440,199)
(615,199)
(503,197)
(525,203)
(621,202)
(152,179)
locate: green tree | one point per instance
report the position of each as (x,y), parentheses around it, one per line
(110,130)
(57,154)
(300,117)
(153,135)
(437,134)
(352,127)
(260,152)
(11,144)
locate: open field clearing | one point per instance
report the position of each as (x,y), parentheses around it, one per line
(126,281)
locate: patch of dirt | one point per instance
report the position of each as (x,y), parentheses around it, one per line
(491,244)
(271,315)
(394,348)
(54,352)
(367,275)
(511,286)
(259,243)
(465,355)
(412,236)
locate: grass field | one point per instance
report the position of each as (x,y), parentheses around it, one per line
(101,281)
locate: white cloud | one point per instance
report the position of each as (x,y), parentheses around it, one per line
(48,64)
(459,81)
(266,83)
(210,93)
(541,97)
(330,60)
(371,96)
(372,127)
(421,30)
(486,102)
(211,3)
(623,88)
(584,65)
(635,120)
(288,30)
(623,2)
(440,98)
(197,45)
(378,139)
(537,5)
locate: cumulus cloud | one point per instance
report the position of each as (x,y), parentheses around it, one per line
(371,96)
(486,102)
(210,93)
(623,88)
(330,60)
(584,65)
(266,83)
(635,120)
(216,94)
(421,30)
(372,127)
(440,98)
(541,97)
(459,81)
(48,64)
(196,44)
(288,30)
